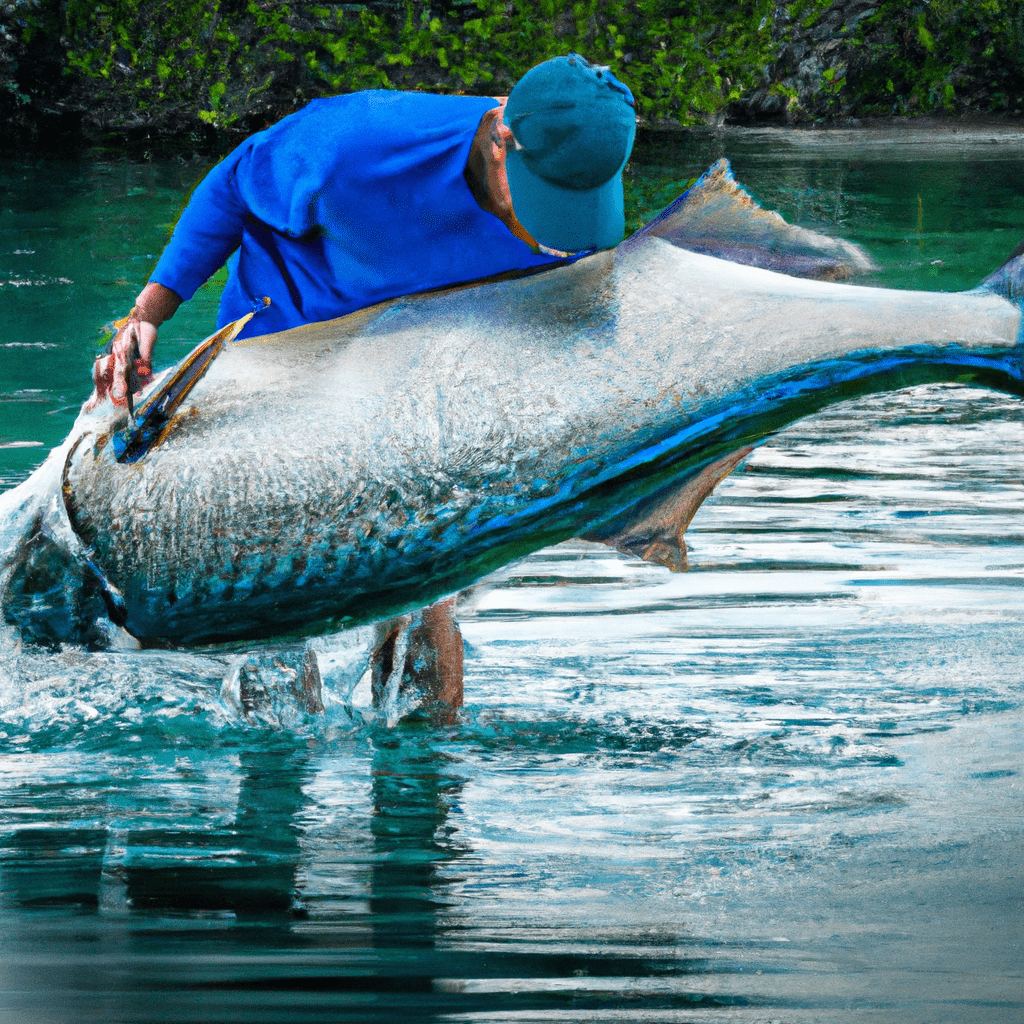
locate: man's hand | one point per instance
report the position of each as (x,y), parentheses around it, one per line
(126,369)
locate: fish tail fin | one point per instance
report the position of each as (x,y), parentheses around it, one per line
(1008,280)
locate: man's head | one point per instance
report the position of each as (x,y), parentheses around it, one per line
(572,127)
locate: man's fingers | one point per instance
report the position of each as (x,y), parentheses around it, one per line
(125,351)
(147,340)
(139,376)
(126,369)
(102,375)
(125,341)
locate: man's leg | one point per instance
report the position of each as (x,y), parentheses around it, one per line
(426,648)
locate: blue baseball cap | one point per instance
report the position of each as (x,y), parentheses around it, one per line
(574,125)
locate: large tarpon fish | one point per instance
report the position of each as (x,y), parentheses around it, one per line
(353,469)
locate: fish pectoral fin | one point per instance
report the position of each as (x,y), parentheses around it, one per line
(152,418)
(716,217)
(656,535)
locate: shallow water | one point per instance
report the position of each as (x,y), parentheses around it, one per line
(787,786)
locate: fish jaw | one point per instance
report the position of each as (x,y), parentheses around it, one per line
(51,589)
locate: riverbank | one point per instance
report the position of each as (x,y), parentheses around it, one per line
(199,74)
(899,137)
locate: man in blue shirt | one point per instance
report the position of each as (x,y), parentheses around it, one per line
(365,197)
(368,196)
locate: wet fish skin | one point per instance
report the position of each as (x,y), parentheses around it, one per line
(422,459)
(345,471)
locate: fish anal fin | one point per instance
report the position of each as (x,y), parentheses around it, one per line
(717,217)
(656,535)
(671,555)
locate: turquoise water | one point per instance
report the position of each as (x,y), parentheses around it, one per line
(785,786)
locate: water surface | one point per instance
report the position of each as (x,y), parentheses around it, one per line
(787,786)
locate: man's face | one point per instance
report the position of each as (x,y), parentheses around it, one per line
(486,171)
(499,143)
(497,180)
(489,178)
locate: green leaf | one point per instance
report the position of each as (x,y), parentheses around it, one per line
(924,36)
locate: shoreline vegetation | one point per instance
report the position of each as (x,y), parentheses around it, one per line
(205,73)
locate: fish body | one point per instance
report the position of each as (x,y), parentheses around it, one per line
(347,470)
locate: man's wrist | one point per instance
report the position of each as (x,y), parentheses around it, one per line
(144,316)
(155,304)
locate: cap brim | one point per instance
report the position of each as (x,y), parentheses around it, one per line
(563,218)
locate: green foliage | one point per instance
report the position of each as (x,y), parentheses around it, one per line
(225,61)
(212,58)
(165,65)
(833,80)
(807,12)
(942,55)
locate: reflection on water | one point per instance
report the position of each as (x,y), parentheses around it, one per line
(785,786)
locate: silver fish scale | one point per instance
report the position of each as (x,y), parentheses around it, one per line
(353,466)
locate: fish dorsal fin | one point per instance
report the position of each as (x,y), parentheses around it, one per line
(715,216)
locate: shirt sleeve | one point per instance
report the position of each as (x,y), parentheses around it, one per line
(269,178)
(208,231)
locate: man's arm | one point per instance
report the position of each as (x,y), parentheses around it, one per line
(208,231)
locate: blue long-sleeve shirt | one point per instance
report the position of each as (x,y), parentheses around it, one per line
(345,203)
